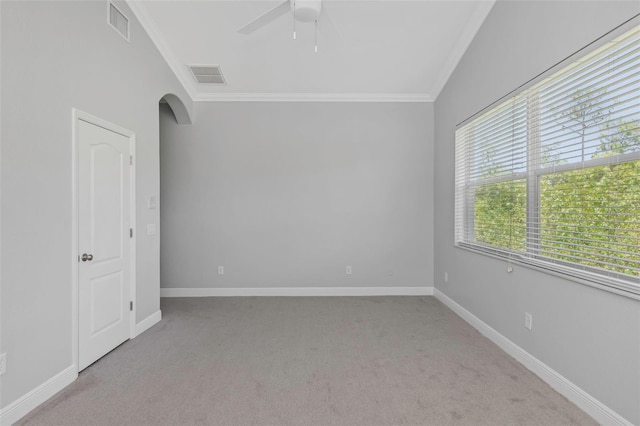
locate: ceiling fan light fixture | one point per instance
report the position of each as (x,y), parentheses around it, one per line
(303,11)
(306,10)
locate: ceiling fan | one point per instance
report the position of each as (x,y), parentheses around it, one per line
(302,10)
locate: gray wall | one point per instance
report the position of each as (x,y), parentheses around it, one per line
(55,56)
(590,336)
(288,194)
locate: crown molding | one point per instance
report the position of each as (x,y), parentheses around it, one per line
(183,75)
(313,97)
(479,14)
(181,71)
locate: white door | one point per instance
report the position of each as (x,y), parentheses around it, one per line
(104,220)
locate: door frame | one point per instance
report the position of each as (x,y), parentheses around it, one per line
(77,116)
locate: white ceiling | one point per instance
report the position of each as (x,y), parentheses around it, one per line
(367,50)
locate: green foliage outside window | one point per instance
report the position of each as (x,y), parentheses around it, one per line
(584,215)
(581,212)
(500,214)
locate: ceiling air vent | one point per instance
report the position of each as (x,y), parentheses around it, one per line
(118,21)
(207,74)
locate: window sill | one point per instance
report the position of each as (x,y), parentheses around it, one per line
(609,284)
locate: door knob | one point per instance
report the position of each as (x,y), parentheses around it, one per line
(86,257)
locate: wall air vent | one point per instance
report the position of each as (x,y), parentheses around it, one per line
(207,74)
(118,21)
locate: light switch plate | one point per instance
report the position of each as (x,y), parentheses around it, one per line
(152,203)
(151,229)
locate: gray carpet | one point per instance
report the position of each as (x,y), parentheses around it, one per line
(308,361)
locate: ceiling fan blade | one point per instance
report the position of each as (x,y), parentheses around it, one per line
(266,18)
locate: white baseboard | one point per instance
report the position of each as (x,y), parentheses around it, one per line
(148,322)
(23,405)
(596,409)
(297,291)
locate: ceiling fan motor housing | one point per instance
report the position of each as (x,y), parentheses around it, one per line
(306,10)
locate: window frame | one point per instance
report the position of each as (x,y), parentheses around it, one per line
(532,258)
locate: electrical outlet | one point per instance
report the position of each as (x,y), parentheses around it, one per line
(349,270)
(3,363)
(220,270)
(446,277)
(528,321)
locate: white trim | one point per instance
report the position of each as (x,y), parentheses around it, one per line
(74,238)
(76,116)
(313,97)
(596,409)
(608,284)
(148,322)
(133,241)
(181,72)
(478,15)
(27,402)
(185,77)
(296,291)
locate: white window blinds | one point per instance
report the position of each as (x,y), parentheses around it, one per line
(551,177)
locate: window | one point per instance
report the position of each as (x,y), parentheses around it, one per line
(551,176)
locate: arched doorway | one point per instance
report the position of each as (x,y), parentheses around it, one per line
(171,112)
(180,111)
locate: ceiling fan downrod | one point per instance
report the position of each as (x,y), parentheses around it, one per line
(294,20)
(309,11)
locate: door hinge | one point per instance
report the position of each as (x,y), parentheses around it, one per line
(131,305)
(130,232)
(131,160)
